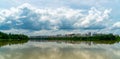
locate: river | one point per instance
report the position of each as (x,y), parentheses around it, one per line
(60,50)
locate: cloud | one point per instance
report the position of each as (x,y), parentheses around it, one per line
(116,25)
(93,20)
(28,17)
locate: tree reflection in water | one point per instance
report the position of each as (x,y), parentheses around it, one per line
(78,42)
(41,49)
(12,42)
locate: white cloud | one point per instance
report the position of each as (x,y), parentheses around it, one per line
(27,17)
(94,19)
(1,19)
(116,25)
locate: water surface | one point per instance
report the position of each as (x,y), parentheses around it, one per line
(60,50)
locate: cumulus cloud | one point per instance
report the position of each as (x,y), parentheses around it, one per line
(28,17)
(116,25)
(94,20)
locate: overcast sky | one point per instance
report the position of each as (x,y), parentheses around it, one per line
(49,17)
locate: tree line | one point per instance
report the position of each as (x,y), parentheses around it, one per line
(4,36)
(96,37)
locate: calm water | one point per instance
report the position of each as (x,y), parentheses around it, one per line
(60,50)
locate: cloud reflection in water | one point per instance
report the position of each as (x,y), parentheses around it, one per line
(53,50)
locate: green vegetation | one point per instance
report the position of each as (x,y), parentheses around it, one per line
(9,37)
(97,37)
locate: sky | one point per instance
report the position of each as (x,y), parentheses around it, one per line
(51,17)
